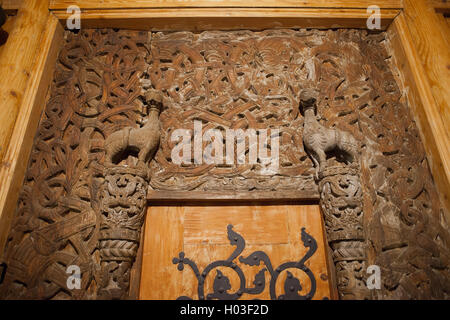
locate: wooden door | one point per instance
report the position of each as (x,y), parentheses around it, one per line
(201,232)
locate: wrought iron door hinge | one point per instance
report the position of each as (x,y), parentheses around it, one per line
(221,284)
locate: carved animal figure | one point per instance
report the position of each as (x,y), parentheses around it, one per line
(144,140)
(318,140)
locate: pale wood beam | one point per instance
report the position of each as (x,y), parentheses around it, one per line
(16,62)
(124,4)
(26,68)
(200,19)
(440,5)
(11,4)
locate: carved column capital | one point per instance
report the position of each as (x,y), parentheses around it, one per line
(341,201)
(123,202)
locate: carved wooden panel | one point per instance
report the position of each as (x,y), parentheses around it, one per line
(227,80)
(57,222)
(232,80)
(406,226)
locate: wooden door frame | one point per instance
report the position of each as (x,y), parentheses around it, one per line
(26,95)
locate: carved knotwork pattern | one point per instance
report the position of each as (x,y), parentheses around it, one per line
(407,234)
(227,80)
(341,201)
(232,80)
(408,231)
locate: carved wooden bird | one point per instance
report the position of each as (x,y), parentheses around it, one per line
(318,140)
(144,140)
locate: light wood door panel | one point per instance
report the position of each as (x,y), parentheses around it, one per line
(201,233)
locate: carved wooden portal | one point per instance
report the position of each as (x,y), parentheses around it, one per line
(346,137)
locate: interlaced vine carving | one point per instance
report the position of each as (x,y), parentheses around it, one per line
(226,80)
(404,222)
(232,80)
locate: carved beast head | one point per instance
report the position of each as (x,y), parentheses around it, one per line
(154,99)
(308,99)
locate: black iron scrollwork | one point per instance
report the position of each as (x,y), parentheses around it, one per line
(222,286)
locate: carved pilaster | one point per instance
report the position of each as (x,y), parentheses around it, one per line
(123,201)
(342,207)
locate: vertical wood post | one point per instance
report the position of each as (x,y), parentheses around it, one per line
(28,106)
(16,63)
(433,51)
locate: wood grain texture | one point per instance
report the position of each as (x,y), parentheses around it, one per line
(434,51)
(430,116)
(11,4)
(201,233)
(8,27)
(163,240)
(16,64)
(205,224)
(442,6)
(200,19)
(443,25)
(111,4)
(12,170)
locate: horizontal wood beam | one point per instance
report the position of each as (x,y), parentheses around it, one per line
(189,19)
(249,196)
(11,4)
(442,6)
(124,4)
